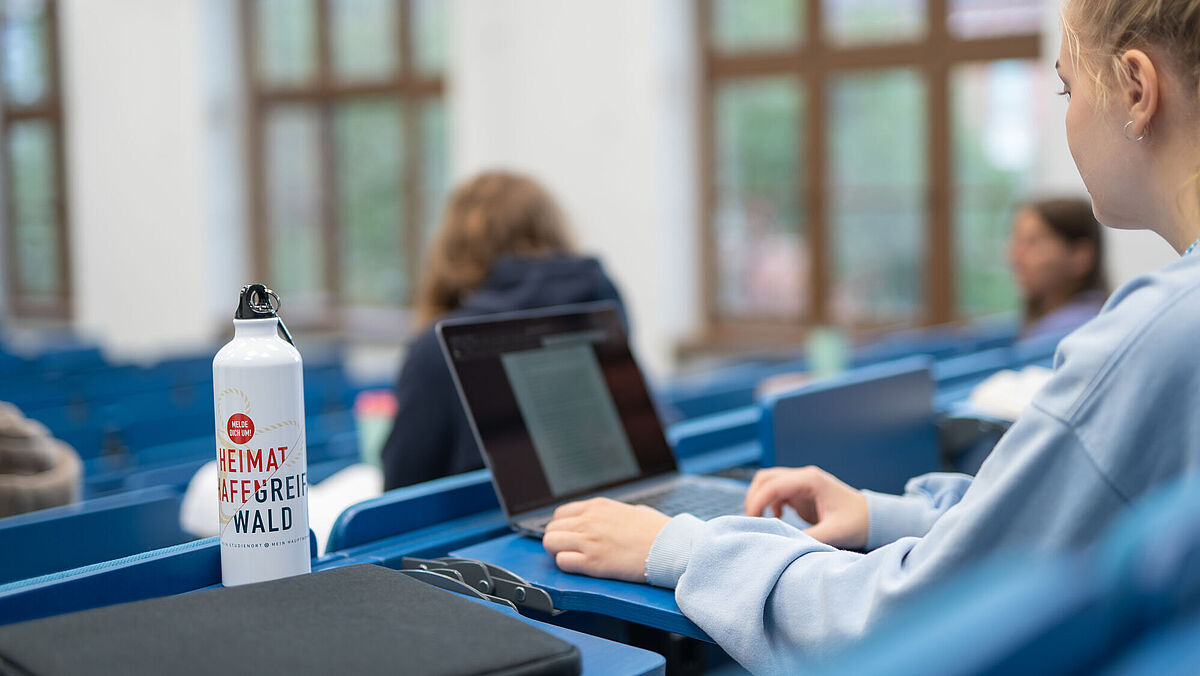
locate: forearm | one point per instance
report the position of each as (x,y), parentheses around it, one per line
(770,595)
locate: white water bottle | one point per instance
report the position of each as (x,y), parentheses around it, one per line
(262,455)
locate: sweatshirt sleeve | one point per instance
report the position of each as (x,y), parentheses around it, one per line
(927,497)
(774,598)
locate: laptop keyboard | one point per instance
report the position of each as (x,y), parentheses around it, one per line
(703,503)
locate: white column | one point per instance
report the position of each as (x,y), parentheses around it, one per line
(596,99)
(154,171)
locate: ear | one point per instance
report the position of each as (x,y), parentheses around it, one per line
(1141,92)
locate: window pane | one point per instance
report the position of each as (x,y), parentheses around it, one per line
(429,35)
(858,21)
(971,19)
(878,183)
(759,228)
(293,182)
(31,171)
(364,38)
(286,41)
(368,138)
(746,25)
(25,58)
(434,174)
(995,147)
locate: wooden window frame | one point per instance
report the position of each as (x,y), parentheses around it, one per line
(408,87)
(50,110)
(813,62)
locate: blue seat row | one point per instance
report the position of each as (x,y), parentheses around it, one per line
(1129,604)
(734,386)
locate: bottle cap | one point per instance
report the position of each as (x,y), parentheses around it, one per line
(255,303)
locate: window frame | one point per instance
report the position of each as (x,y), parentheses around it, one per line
(410,89)
(50,110)
(814,62)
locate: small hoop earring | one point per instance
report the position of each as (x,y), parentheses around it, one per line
(1134,140)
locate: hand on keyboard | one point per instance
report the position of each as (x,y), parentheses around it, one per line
(837,511)
(603,538)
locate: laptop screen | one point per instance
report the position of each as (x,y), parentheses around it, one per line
(558,404)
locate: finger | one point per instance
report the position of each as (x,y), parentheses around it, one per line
(758,498)
(569,523)
(570,509)
(776,487)
(560,541)
(762,475)
(777,508)
(755,501)
(571,562)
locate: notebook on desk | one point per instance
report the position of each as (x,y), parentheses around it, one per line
(561,412)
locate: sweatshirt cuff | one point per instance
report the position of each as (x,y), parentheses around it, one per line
(891,517)
(671,551)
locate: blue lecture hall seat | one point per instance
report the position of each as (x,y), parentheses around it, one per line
(415,507)
(873,427)
(88,532)
(1170,650)
(717,441)
(1136,593)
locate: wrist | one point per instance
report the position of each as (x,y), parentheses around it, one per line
(671,551)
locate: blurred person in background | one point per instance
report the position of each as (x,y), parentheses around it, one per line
(1058,261)
(503,245)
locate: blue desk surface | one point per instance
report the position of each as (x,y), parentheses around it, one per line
(599,655)
(643,604)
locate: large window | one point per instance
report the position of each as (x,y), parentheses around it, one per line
(36,262)
(347,151)
(863,158)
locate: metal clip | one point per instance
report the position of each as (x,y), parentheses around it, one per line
(450,580)
(274,309)
(491,579)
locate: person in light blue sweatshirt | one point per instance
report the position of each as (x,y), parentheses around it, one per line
(1120,416)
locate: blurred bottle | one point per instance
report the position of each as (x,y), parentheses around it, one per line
(374,411)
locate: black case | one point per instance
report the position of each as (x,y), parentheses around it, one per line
(362,619)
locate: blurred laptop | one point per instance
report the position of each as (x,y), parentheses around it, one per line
(561,412)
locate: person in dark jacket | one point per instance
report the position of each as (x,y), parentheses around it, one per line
(503,246)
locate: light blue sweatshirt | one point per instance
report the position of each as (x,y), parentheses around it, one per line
(1120,416)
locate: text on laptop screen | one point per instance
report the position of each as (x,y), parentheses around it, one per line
(559,404)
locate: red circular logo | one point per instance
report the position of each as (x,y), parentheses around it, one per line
(240,427)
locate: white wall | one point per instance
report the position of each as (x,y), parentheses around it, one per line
(596,98)
(1128,252)
(154,171)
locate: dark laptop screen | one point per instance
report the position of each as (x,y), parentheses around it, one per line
(558,402)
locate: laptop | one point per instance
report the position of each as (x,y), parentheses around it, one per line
(561,412)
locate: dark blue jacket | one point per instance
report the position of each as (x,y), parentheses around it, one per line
(430,436)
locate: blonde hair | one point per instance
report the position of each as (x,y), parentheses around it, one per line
(495,214)
(1099,32)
